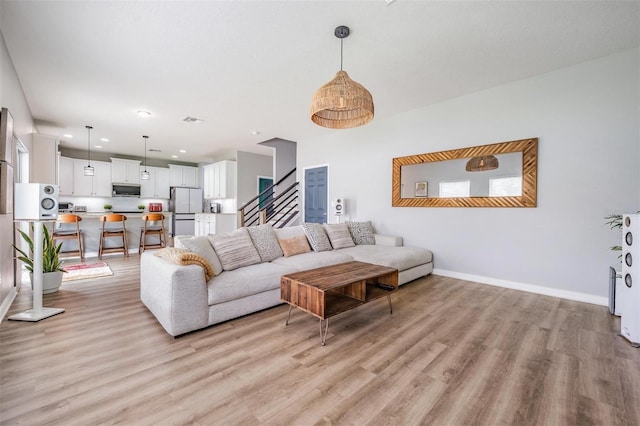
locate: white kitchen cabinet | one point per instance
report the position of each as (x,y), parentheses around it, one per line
(214,223)
(220,180)
(98,185)
(185,176)
(158,184)
(125,171)
(65,175)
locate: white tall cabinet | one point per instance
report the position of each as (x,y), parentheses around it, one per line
(42,168)
(65,175)
(183,176)
(220,180)
(158,184)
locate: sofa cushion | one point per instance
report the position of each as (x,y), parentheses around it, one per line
(265,241)
(232,285)
(304,262)
(235,249)
(317,236)
(201,246)
(401,258)
(339,235)
(361,232)
(294,245)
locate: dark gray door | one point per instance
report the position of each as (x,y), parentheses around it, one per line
(315,195)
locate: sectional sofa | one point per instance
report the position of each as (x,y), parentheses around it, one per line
(248,264)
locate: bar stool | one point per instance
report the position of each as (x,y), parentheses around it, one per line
(69,232)
(149,229)
(113,230)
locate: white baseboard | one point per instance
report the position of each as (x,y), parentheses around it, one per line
(547,291)
(6,303)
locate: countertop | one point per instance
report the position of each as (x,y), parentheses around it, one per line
(96,215)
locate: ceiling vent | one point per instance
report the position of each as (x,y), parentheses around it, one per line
(154,150)
(192,120)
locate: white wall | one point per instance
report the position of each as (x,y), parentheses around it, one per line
(250,166)
(12,96)
(586,119)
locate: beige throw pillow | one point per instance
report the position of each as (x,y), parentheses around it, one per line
(295,245)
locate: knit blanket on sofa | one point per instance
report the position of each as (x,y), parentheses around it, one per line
(181,256)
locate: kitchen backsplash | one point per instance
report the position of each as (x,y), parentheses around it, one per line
(96,204)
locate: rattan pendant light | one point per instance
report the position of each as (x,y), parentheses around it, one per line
(341,103)
(482,164)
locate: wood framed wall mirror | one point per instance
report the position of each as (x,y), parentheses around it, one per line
(497,175)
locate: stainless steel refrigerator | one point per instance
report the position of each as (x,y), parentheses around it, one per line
(184,204)
(7,230)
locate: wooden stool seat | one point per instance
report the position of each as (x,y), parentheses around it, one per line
(111,229)
(149,229)
(69,233)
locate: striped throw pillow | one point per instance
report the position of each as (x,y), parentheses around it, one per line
(235,249)
(339,235)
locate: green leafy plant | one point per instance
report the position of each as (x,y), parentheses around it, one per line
(615,222)
(50,252)
(107,206)
(141,206)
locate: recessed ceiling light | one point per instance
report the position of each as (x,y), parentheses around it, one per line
(104,139)
(182,151)
(174,156)
(68,136)
(143,113)
(255,132)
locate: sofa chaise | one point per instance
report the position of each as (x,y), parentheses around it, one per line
(248,264)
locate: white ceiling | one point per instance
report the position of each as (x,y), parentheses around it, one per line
(245,66)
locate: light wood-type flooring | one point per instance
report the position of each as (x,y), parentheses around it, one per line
(452,353)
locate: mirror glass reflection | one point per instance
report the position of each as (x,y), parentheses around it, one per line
(447,179)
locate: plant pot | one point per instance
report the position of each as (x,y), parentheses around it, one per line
(51,281)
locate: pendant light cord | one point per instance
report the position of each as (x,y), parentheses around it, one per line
(88,145)
(341,44)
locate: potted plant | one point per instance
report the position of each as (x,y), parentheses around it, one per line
(141,207)
(51,265)
(107,207)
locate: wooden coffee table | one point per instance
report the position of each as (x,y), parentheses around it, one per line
(331,290)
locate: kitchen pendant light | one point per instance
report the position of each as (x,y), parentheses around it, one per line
(88,170)
(482,164)
(145,174)
(341,103)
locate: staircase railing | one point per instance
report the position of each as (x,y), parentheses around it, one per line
(278,210)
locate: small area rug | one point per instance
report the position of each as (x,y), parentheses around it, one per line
(82,271)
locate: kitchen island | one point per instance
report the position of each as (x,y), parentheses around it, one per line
(91,227)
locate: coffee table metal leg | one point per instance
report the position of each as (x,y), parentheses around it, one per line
(390,308)
(323,336)
(288,315)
